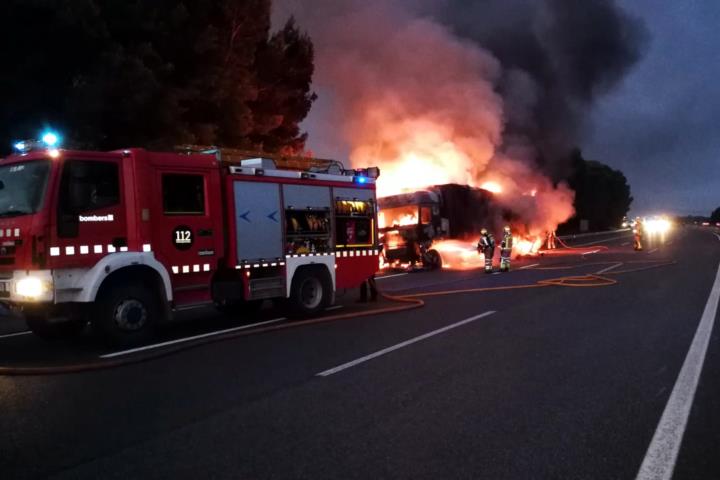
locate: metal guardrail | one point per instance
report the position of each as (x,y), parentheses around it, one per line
(593,234)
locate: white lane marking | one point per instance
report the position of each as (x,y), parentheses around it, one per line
(717,235)
(497,273)
(391,276)
(529,266)
(16,334)
(188,339)
(612,267)
(625,244)
(592,252)
(385,351)
(599,241)
(659,462)
(653,250)
(334,307)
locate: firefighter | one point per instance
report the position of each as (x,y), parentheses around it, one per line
(638,233)
(506,249)
(550,243)
(486,246)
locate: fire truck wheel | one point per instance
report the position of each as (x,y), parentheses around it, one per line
(127,315)
(433,260)
(42,327)
(311,292)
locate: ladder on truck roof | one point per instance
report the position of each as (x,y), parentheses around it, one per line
(234,156)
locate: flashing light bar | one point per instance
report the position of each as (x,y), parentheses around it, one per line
(48,140)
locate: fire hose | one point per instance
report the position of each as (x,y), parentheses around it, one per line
(406,302)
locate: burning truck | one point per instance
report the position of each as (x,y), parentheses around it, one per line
(430,226)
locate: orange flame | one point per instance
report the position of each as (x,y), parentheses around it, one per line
(459,255)
(527,246)
(398,217)
(493,187)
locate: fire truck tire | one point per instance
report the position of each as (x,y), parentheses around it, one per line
(41,326)
(310,293)
(127,315)
(432,260)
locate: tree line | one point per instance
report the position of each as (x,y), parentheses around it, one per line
(159,73)
(112,73)
(602,195)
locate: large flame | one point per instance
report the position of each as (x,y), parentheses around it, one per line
(424,105)
(459,255)
(398,217)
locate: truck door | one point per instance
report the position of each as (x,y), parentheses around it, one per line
(187,238)
(91,220)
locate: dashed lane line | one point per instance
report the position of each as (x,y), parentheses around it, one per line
(661,456)
(612,267)
(406,343)
(391,276)
(189,339)
(529,266)
(16,334)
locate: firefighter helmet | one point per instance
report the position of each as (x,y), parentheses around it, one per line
(506,229)
(483,231)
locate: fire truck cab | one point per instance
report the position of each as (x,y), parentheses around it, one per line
(123,239)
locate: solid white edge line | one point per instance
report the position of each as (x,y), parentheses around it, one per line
(16,334)
(529,266)
(391,276)
(659,462)
(188,339)
(334,307)
(387,350)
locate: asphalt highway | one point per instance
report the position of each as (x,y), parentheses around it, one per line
(613,375)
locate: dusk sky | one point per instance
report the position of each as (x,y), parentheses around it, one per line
(660,126)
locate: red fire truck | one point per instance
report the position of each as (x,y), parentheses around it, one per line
(124,239)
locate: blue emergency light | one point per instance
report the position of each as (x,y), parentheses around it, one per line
(51,139)
(48,140)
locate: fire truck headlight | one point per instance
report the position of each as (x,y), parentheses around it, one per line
(32,287)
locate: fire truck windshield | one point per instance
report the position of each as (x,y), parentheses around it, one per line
(22,187)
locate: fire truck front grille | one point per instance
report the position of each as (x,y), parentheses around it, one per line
(261,288)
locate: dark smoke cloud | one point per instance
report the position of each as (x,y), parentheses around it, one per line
(491,92)
(558,56)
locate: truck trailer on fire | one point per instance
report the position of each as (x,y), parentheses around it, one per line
(411,222)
